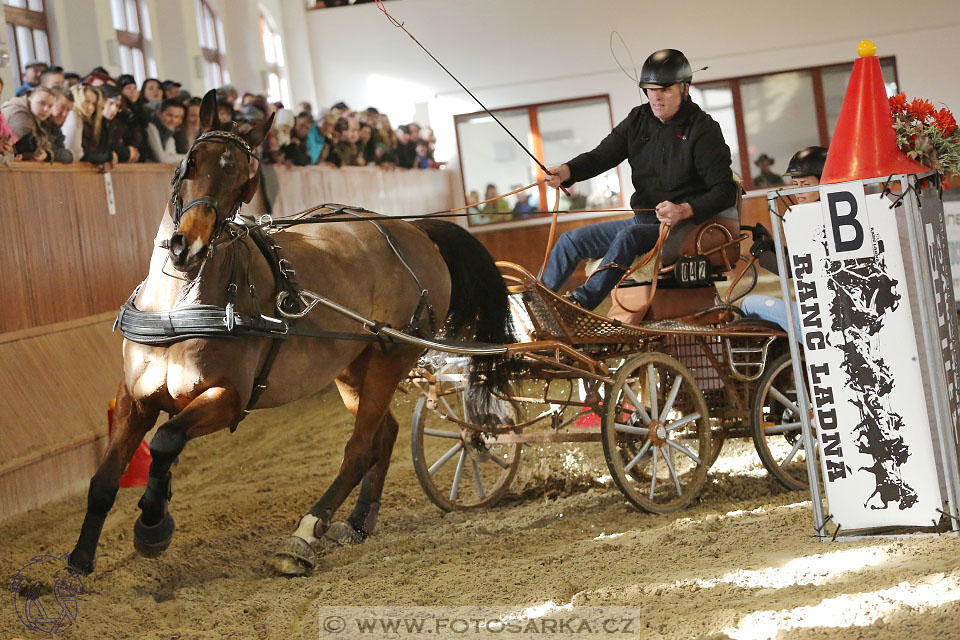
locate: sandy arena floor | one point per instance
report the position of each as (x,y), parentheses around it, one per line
(741,564)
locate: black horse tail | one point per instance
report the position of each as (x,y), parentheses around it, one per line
(479,310)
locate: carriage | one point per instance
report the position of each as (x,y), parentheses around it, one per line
(669,374)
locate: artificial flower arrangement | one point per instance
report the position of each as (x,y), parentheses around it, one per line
(927,135)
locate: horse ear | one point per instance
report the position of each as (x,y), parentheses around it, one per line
(256,135)
(209,117)
(251,187)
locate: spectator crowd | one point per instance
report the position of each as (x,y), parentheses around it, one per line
(62,117)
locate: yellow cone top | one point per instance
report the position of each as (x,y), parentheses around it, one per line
(866,49)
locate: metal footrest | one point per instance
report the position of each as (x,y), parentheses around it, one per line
(747,361)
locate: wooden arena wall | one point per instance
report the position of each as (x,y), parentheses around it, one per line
(67,264)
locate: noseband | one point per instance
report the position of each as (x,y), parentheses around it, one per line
(176,199)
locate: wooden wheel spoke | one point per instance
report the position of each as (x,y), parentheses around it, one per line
(652,391)
(776,429)
(476,479)
(682,449)
(445,457)
(637,405)
(796,447)
(784,400)
(636,458)
(671,398)
(653,474)
(667,457)
(456,476)
(682,422)
(438,433)
(627,428)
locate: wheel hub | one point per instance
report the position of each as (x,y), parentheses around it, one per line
(658,433)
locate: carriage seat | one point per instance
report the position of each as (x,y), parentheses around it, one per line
(689,239)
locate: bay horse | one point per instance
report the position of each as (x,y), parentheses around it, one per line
(432,274)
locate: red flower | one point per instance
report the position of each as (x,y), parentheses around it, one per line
(945,122)
(920,109)
(898,103)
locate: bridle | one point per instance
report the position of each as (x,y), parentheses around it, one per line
(176,198)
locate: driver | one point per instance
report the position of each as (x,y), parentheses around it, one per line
(680,167)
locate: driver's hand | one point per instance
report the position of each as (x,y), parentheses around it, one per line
(670,213)
(559,175)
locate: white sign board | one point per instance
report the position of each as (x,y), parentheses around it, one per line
(870,415)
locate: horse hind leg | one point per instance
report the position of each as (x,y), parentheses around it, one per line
(133,420)
(367,388)
(363,520)
(212,410)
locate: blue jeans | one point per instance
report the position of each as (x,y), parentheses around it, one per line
(617,242)
(771,309)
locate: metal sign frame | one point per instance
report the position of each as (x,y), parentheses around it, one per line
(933,360)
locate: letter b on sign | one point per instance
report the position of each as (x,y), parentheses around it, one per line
(845,218)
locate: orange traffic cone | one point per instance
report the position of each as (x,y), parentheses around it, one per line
(864,144)
(139,467)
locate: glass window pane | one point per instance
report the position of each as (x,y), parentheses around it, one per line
(21,4)
(835,81)
(273,87)
(285,92)
(779,116)
(567,130)
(139,68)
(133,23)
(119,18)
(717,100)
(40,45)
(201,29)
(145,20)
(35,5)
(268,46)
(221,41)
(14,60)
(126,61)
(491,157)
(278,45)
(25,44)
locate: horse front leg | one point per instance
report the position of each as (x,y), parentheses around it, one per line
(132,420)
(212,410)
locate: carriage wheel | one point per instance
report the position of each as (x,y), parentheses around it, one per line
(457,468)
(656,433)
(776,425)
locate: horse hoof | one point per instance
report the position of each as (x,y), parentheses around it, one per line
(295,557)
(82,561)
(343,533)
(152,541)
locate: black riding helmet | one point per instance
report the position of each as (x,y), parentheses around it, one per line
(807,162)
(664,68)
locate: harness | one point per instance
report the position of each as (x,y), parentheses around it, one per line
(202,321)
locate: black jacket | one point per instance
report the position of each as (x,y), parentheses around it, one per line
(684,160)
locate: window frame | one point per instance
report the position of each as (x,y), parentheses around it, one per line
(33,20)
(133,40)
(816,79)
(273,68)
(536,150)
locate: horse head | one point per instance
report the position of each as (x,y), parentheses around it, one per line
(218,174)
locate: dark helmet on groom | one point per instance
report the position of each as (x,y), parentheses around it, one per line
(664,68)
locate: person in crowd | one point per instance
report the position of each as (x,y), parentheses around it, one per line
(62,106)
(25,115)
(191,126)
(295,151)
(51,77)
(387,145)
(97,78)
(340,109)
(225,111)
(161,129)
(367,144)
(31,76)
(7,137)
(498,210)
(304,106)
(471,201)
(344,152)
(171,89)
(70,79)
(766,177)
(229,93)
(424,158)
(804,170)
(406,148)
(524,208)
(151,96)
(113,138)
(84,126)
(128,87)
(680,166)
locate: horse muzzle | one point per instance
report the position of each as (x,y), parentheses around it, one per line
(184,254)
